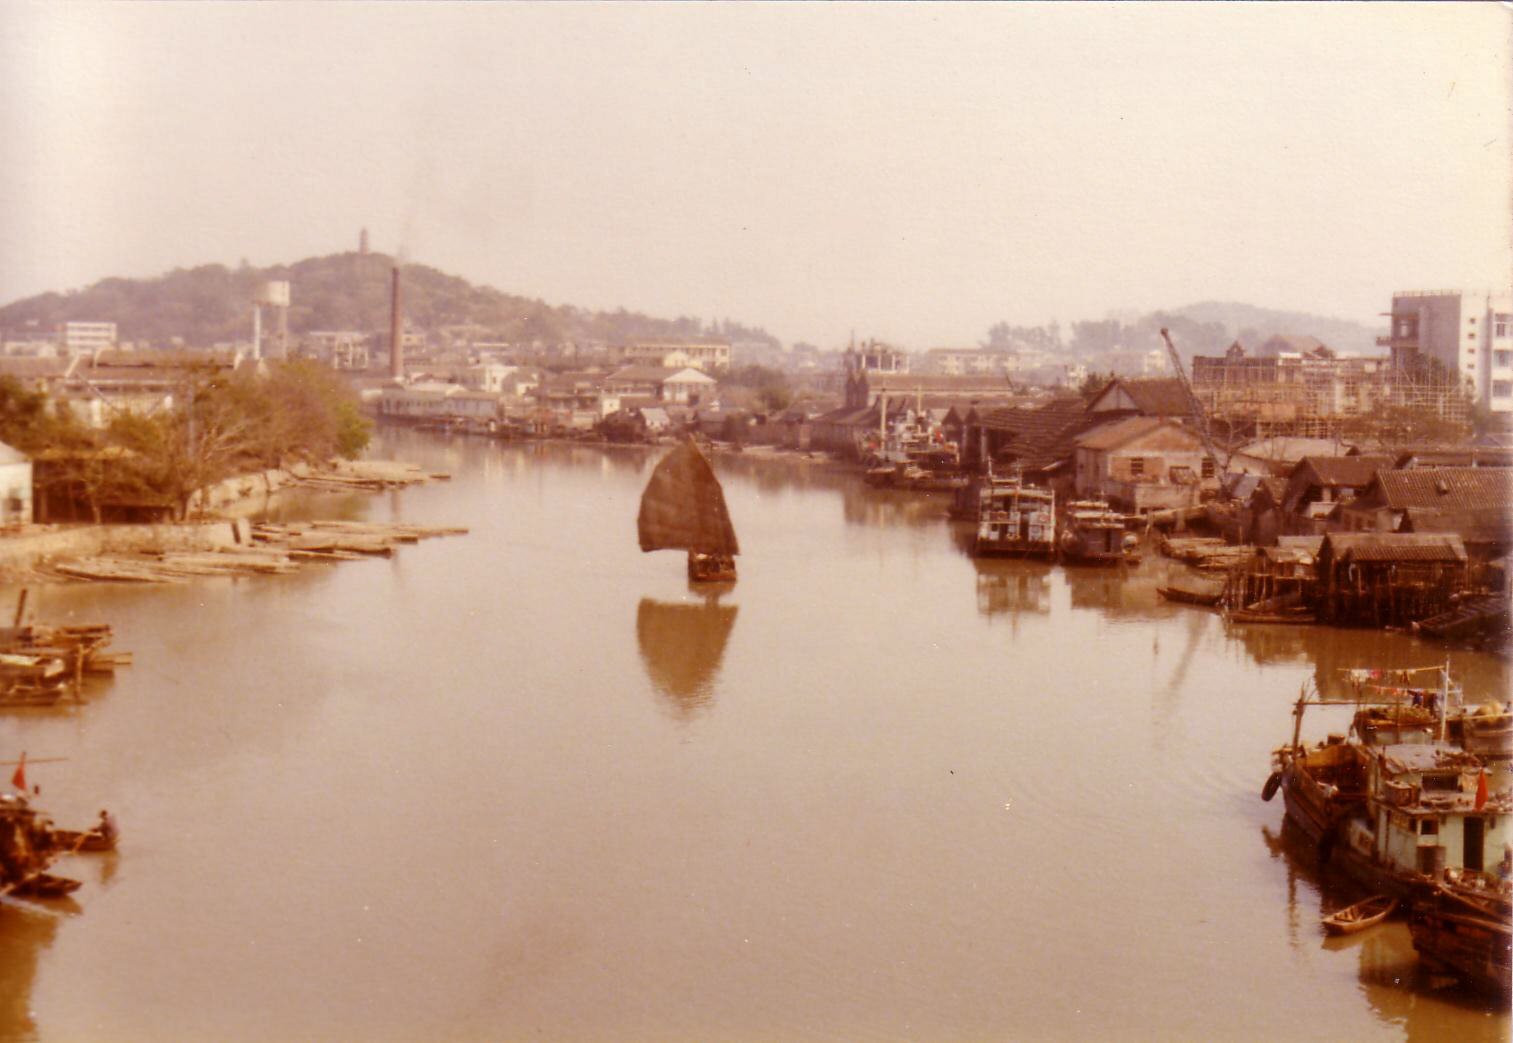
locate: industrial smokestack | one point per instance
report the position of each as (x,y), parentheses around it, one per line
(396,335)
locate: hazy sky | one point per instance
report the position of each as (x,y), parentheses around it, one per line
(914,172)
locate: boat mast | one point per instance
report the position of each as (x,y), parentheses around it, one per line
(1444,697)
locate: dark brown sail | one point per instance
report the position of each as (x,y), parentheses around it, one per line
(683,507)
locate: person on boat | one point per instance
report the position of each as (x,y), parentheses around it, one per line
(107,828)
(1505,867)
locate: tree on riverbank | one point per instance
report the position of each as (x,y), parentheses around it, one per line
(219,425)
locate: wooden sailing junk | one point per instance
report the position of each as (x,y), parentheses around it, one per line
(683,508)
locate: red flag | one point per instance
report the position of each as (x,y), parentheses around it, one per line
(1481,788)
(18,780)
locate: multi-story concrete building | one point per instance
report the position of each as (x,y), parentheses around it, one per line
(1469,335)
(957,362)
(708,356)
(85,338)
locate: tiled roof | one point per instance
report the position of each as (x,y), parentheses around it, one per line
(1395,546)
(1459,488)
(1160,396)
(1351,471)
(1479,525)
(1039,438)
(1111,436)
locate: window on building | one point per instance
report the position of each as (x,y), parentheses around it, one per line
(1502,358)
(1136,466)
(1207,468)
(1502,326)
(1502,389)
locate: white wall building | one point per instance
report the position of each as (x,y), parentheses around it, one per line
(1469,334)
(708,356)
(84,338)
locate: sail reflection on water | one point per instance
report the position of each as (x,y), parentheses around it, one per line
(682,645)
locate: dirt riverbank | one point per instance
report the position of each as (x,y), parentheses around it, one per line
(219,522)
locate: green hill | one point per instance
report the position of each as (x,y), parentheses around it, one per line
(350,291)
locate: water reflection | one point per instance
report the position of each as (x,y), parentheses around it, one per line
(1010,586)
(1396,985)
(1121,591)
(1334,650)
(865,505)
(682,645)
(774,474)
(27,931)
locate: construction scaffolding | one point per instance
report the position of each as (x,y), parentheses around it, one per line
(1320,397)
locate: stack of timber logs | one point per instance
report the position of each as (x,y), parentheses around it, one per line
(274,550)
(343,540)
(371,475)
(1208,553)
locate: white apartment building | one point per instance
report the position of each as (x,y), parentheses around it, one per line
(708,356)
(85,338)
(1469,334)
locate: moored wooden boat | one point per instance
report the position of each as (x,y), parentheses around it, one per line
(1289,614)
(1015,520)
(1189,597)
(1466,930)
(46,885)
(72,841)
(1363,914)
(1092,533)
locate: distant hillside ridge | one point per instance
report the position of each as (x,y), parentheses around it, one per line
(1252,326)
(212,304)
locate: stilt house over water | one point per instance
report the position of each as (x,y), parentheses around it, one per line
(1387,579)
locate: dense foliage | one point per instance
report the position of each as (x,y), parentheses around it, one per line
(212,304)
(770,389)
(219,425)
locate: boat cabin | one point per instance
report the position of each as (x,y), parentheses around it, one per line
(1015,519)
(1437,808)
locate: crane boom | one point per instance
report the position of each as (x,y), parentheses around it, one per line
(1200,419)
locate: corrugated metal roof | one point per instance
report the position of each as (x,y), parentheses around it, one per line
(1460,488)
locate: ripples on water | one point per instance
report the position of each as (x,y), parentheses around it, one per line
(528,782)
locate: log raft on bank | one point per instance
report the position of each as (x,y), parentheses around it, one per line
(272,550)
(370,476)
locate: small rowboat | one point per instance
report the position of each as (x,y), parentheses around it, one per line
(1359,916)
(45,885)
(73,841)
(1189,597)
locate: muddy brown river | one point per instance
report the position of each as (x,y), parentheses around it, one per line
(525,783)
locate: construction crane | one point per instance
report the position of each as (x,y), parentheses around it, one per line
(1200,419)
